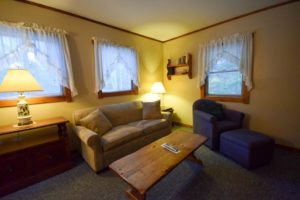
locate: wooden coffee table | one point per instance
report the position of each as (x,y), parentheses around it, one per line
(145,167)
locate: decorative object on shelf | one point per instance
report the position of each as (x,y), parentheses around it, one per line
(20,80)
(183,67)
(159,89)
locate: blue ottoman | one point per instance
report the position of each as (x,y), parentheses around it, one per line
(248,148)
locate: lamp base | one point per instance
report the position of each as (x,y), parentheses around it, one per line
(24,120)
(24,117)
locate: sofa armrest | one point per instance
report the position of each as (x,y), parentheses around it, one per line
(88,137)
(233,115)
(167,116)
(204,115)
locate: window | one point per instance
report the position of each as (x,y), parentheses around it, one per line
(226,69)
(116,69)
(44,52)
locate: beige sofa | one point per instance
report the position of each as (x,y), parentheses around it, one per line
(133,125)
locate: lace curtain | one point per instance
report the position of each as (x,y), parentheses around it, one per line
(42,50)
(236,49)
(111,58)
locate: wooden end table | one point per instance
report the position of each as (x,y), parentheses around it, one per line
(32,153)
(145,167)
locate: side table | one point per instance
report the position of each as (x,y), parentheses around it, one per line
(28,156)
(167,109)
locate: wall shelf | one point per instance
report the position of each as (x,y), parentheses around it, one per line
(184,67)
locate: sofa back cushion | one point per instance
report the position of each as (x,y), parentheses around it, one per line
(81,113)
(151,110)
(123,113)
(97,122)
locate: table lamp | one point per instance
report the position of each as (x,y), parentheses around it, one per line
(20,80)
(158,88)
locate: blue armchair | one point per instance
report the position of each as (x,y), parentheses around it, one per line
(211,119)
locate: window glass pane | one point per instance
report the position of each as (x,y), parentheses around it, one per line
(33,58)
(119,67)
(118,79)
(225,83)
(223,65)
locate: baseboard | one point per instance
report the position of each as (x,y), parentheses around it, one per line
(293,149)
(287,148)
(181,124)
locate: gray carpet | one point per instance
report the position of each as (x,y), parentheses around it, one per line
(219,179)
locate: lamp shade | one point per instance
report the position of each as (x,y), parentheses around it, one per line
(158,88)
(19,80)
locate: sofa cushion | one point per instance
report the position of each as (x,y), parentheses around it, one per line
(79,114)
(150,125)
(247,138)
(122,113)
(120,135)
(151,110)
(97,122)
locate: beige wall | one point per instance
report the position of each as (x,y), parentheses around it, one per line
(80,33)
(275,100)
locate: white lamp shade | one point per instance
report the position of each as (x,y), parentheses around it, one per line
(19,80)
(158,88)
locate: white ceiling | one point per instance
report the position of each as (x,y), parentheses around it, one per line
(159,19)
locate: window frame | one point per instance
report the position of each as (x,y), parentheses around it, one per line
(243,98)
(39,100)
(65,96)
(134,88)
(134,91)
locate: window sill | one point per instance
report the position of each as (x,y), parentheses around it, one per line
(244,98)
(134,91)
(39,100)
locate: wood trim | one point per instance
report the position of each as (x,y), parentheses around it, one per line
(280,146)
(127,31)
(233,18)
(86,18)
(39,100)
(134,91)
(238,99)
(181,124)
(9,129)
(288,148)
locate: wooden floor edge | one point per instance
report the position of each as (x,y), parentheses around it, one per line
(288,148)
(182,124)
(280,146)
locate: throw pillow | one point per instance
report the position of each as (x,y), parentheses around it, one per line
(97,122)
(212,108)
(151,110)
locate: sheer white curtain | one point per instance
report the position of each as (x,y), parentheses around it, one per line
(115,66)
(42,50)
(236,49)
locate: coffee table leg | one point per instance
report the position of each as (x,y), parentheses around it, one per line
(193,158)
(135,195)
